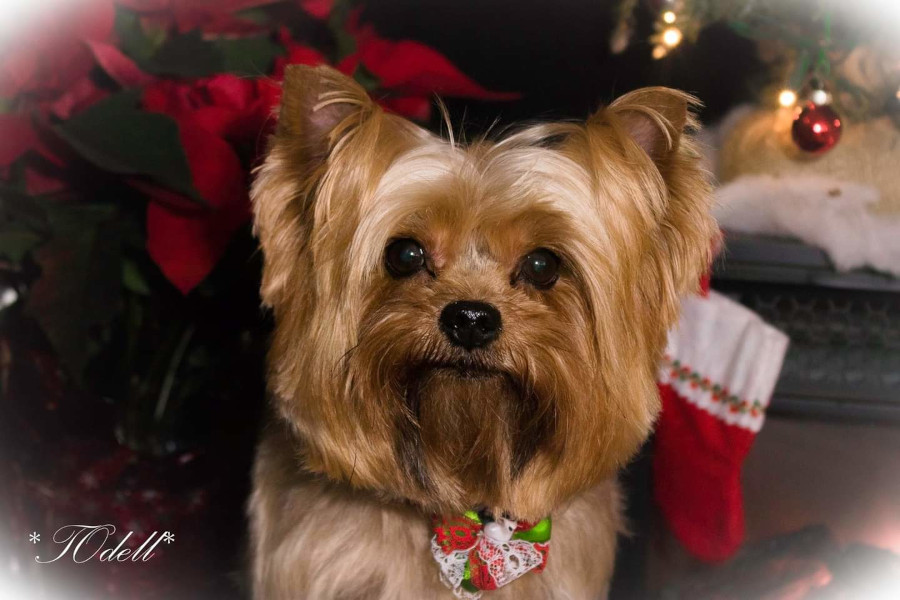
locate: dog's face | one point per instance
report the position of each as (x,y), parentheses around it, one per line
(474,326)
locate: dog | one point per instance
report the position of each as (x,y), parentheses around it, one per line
(466,342)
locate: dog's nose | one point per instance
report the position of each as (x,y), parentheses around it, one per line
(470,324)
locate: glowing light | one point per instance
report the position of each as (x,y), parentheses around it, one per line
(671,37)
(787,98)
(668,17)
(818,128)
(659,52)
(819,97)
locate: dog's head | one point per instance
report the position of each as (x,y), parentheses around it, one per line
(474,325)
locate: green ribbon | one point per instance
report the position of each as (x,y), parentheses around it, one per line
(539,534)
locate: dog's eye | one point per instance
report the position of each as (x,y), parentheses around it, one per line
(404,257)
(540,268)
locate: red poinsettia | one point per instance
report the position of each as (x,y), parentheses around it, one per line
(210,16)
(230,107)
(295,53)
(49,57)
(410,68)
(187,240)
(222,119)
(44,168)
(217,117)
(319,9)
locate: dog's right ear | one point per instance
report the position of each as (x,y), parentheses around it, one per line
(319,106)
(331,141)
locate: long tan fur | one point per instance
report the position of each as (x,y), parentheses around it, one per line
(368,436)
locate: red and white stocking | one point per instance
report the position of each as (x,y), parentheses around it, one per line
(720,367)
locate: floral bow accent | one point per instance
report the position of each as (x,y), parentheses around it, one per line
(477,554)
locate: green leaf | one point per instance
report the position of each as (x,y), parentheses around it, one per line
(80,285)
(258,15)
(16,242)
(22,211)
(133,39)
(187,55)
(118,137)
(366,78)
(251,56)
(133,279)
(337,23)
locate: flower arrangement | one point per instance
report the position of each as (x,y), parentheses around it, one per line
(131,338)
(129,130)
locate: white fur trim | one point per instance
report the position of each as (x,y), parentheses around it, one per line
(828,213)
(722,343)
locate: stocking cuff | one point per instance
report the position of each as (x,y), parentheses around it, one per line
(724,359)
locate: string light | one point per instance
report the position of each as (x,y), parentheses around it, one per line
(819,97)
(667,35)
(787,98)
(671,37)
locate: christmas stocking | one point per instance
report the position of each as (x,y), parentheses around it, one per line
(716,380)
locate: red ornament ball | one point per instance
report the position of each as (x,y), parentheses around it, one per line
(817,128)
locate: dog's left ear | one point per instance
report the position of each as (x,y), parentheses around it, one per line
(655,118)
(658,122)
(319,106)
(321,109)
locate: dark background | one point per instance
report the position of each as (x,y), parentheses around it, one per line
(557,55)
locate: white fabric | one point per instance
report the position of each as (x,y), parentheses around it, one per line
(729,345)
(833,215)
(506,561)
(453,565)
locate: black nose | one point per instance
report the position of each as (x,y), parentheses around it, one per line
(470,324)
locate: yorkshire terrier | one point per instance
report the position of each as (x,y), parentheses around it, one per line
(466,342)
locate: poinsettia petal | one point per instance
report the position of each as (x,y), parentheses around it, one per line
(215,23)
(18,135)
(18,71)
(142,6)
(44,169)
(234,108)
(173,98)
(78,96)
(187,244)
(230,91)
(47,56)
(299,54)
(164,196)
(348,64)
(218,120)
(122,69)
(296,54)
(411,107)
(210,16)
(89,20)
(415,69)
(319,9)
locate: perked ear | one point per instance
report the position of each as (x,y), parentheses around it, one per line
(327,128)
(319,106)
(659,121)
(655,118)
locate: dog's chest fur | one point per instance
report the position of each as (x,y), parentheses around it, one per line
(313,539)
